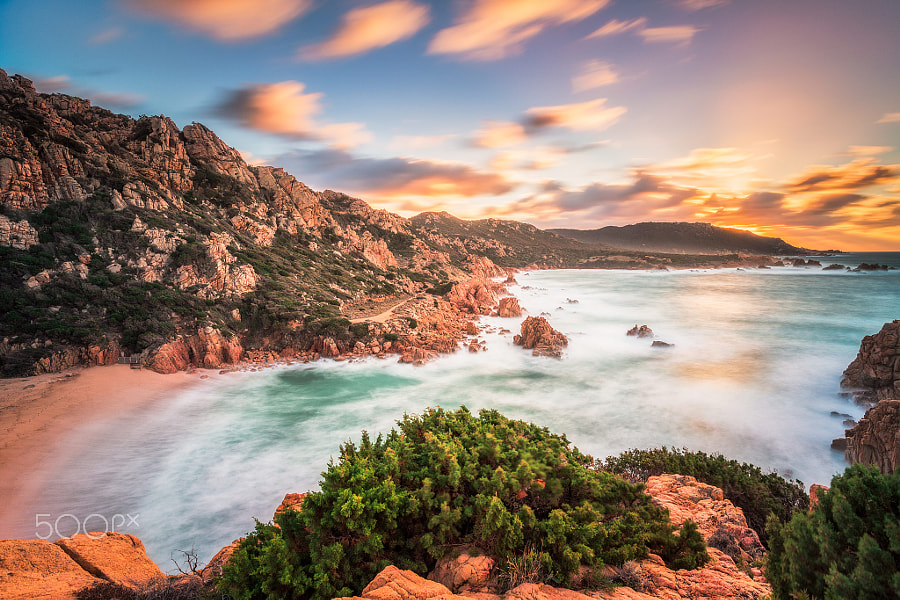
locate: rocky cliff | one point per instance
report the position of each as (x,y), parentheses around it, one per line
(135,236)
(874,376)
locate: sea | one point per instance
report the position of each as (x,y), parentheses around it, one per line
(753,373)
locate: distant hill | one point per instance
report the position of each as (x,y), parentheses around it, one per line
(689,238)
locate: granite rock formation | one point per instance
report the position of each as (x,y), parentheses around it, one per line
(876,438)
(874,374)
(537,334)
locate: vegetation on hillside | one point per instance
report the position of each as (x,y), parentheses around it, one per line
(759,494)
(847,547)
(445,479)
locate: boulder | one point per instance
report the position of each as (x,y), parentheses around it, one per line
(39,570)
(292,502)
(113,556)
(874,374)
(470,570)
(537,334)
(476,296)
(509,307)
(213,568)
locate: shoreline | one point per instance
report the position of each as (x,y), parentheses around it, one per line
(39,411)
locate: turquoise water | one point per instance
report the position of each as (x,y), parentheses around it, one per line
(754,374)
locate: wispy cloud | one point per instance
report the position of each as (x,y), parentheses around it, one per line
(285,109)
(674,34)
(857,174)
(594,74)
(416,142)
(370,27)
(494,29)
(227,20)
(500,134)
(111,100)
(863,151)
(106,36)
(397,178)
(615,27)
(695,5)
(889,118)
(582,116)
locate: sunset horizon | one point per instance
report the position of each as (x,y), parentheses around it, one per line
(777,118)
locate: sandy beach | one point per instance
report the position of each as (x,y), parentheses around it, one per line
(37,412)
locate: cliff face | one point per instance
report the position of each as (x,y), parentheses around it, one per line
(874,376)
(142,237)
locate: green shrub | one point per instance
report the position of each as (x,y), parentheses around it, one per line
(758,494)
(412,322)
(441,289)
(359,329)
(847,547)
(443,480)
(391,337)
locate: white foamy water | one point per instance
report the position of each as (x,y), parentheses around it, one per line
(753,374)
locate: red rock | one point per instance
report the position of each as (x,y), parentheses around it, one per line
(815,490)
(537,334)
(113,556)
(468,570)
(290,501)
(475,296)
(716,518)
(39,570)
(876,438)
(213,568)
(509,307)
(874,374)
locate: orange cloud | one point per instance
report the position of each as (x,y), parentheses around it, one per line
(596,73)
(675,33)
(868,150)
(498,134)
(590,115)
(284,109)
(854,175)
(889,118)
(494,29)
(397,178)
(371,27)
(227,20)
(615,27)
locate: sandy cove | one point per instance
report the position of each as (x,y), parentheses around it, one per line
(37,412)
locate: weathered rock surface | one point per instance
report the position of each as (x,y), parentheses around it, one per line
(208,349)
(642,332)
(291,501)
(720,521)
(17,234)
(876,438)
(470,570)
(537,334)
(874,374)
(509,307)
(476,296)
(112,556)
(39,570)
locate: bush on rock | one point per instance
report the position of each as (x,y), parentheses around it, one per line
(444,479)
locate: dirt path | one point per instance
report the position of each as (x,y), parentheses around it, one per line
(384,316)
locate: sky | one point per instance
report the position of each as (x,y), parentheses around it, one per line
(781,117)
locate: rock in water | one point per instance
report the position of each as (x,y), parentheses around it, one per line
(509,307)
(537,334)
(876,438)
(642,332)
(874,374)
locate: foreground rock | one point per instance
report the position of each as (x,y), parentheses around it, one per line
(876,438)
(874,374)
(37,569)
(722,524)
(537,334)
(113,556)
